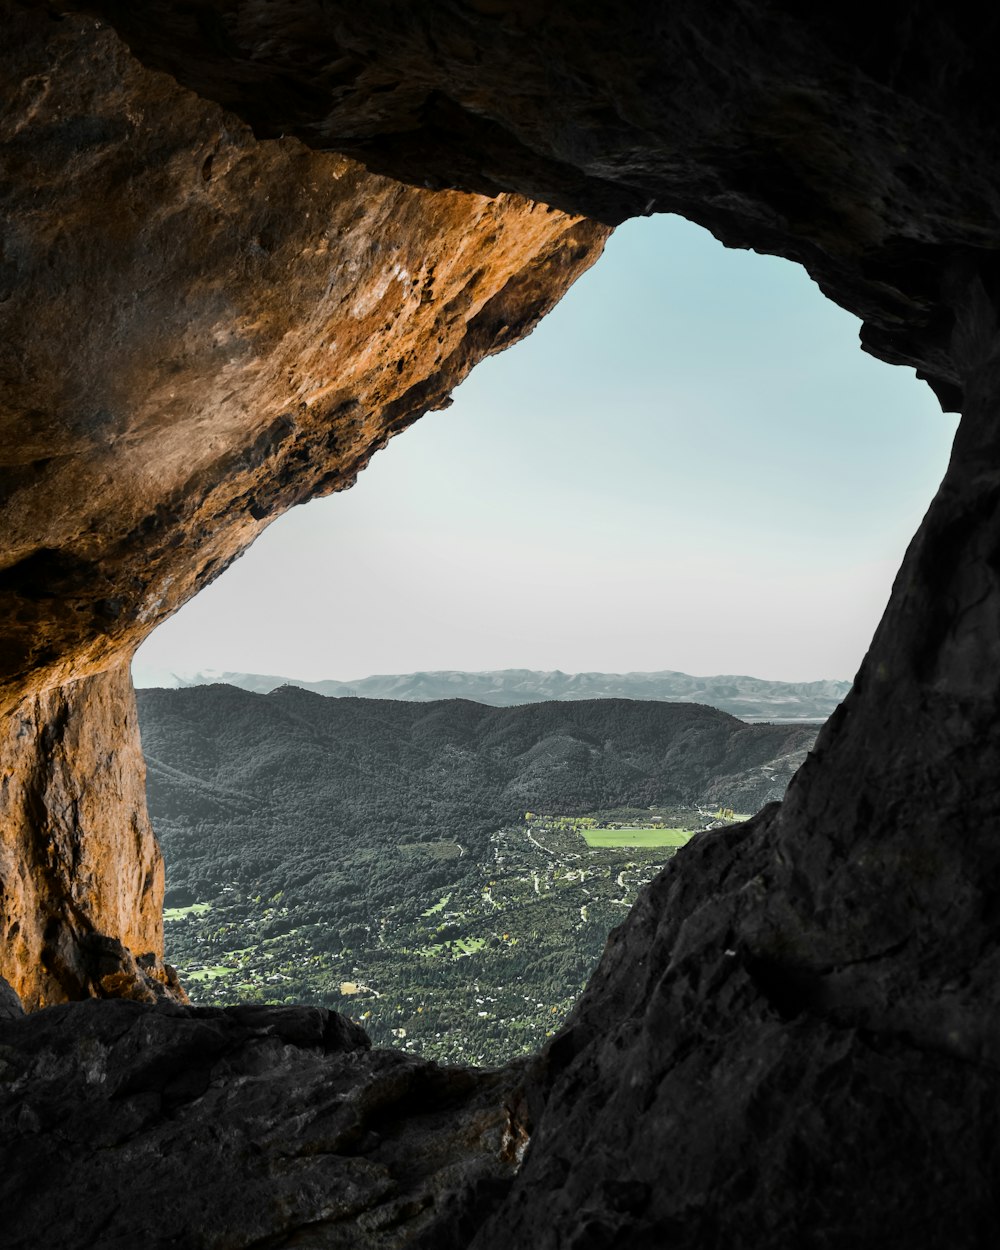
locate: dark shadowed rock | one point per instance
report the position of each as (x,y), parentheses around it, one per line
(10,1004)
(124,1124)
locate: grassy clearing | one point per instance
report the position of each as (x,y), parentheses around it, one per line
(208,974)
(451,950)
(440,906)
(178,913)
(651,836)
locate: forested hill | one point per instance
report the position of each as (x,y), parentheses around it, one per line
(424,766)
(259,782)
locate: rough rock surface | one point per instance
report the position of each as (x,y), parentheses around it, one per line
(10,1004)
(78,858)
(793,1040)
(196,332)
(125,1125)
(858,141)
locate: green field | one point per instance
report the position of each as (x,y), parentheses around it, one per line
(179,913)
(653,835)
(438,906)
(209,974)
(454,949)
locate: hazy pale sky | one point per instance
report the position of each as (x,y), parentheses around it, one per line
(689,465)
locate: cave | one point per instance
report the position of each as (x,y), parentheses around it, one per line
(243,246)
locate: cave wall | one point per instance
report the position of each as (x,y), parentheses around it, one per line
(792,1039)
(78,858)
(197,331)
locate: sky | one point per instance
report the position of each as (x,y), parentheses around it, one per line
(689,465)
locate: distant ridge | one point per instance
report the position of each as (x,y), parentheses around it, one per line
(750,698)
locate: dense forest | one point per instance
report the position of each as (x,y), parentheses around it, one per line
(315,843)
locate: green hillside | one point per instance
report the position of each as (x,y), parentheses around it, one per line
(373,856)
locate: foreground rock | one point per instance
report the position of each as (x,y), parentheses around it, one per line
(125,1125)
(10,1004)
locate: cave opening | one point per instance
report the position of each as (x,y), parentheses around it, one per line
(793,1041)
(689,466)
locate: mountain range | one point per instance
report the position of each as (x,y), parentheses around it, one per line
(750,698)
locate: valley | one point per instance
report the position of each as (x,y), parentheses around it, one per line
(483,973)
(445,873)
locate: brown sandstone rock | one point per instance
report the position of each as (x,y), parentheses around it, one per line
(196,332)
(77,857)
